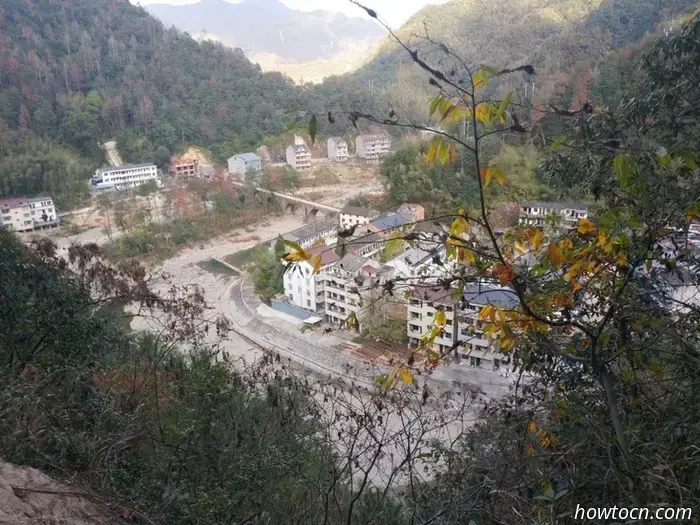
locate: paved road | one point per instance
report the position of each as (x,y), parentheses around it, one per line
(312,350)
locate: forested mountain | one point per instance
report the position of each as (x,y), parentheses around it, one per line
(268,26)
(559,37)
(79,72)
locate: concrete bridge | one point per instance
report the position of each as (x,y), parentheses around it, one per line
(291,203)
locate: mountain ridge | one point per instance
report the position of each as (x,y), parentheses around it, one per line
(268,26)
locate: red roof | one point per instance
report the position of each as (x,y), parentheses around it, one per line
(328,255)
(369,269)
(14,203)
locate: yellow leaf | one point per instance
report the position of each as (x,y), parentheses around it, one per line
(532,426)
(537,239)
(482,75)
(530,450)
(440,318)
(622,259)
(406,376)
(555,256)
(500,176)
(459,226)
(486,175)
(316,262)
(585,227)
(487,312)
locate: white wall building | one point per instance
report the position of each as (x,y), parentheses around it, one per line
(562,214)
(27,214)
(352,215)
(464,329)
(302,287)
(299,157)
(122,177)
(244,162)
(316,233)
(337,149)
(371,147)
(340,280)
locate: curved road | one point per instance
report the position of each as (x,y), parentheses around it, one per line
(238,303)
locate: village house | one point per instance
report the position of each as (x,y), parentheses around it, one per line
(337,149)
(244,162)
(27,214)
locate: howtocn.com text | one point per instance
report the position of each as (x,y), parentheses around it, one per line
(632,513)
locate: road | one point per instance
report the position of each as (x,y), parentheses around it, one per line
(324,354)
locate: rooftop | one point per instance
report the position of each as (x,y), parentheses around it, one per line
(392,220)
(351,263)
(309,230)
(16,202)
(480,294)
(359,210)
(127,167)
(299,147)
(359,242)
(338,140)
(247,157)
(328,255)
(556,205)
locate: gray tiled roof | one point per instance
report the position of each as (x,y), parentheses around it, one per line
(392,220)
(248,157)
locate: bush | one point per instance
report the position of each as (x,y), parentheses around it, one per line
(184,231)
(137,242)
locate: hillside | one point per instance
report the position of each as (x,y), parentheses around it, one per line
(80,72)
(314,44)
(556,36)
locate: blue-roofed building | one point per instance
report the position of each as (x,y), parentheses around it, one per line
(245,162)
(391,222)
(464,331)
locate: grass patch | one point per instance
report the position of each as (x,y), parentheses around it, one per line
(215,267)
(244,257)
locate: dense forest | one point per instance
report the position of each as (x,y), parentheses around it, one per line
(565,40)
(80,72)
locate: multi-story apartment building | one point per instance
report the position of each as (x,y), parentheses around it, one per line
(299,157)
(371,147)
(316,233)
(342,283)
(365,244)
(352,215)
(184,168)
(122,177)
(304,289)
(559,214)
(337,149)
(463,327)
(244,162)
(26,214)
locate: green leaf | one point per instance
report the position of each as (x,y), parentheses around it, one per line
(434,104)
(557,143)
(313,124)
(443,153)
(504,105)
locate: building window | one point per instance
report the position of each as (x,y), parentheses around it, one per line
(496,364)
(415,328)
(308,303)
(475,361)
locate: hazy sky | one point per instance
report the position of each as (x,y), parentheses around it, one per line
(395,12)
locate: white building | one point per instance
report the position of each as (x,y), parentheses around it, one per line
(352,215)
(27,214)
(561,214)
(245,162)
(299,157)
(465,329)
(302,287)
(122,177)
(337,149)
(371,147)
(314,234)
(342,283)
